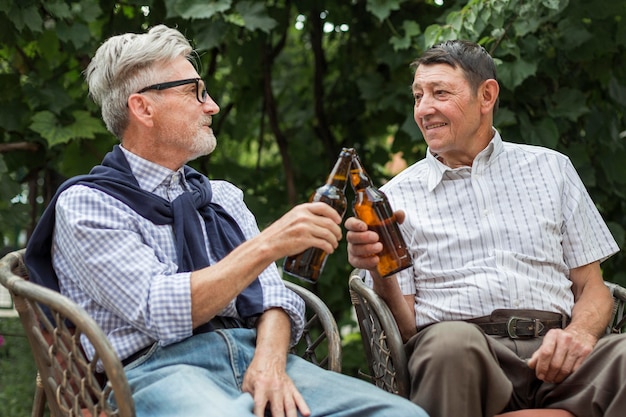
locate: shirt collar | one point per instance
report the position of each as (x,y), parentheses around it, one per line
(437,169)
(148,174)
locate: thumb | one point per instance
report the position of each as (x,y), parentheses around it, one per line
(400,216)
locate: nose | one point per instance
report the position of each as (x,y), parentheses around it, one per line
(210,106)
(423,107)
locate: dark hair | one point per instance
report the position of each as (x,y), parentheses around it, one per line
(474,60)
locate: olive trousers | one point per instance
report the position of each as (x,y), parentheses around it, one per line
(457,370)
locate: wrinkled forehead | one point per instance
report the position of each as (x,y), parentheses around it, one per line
(432,75)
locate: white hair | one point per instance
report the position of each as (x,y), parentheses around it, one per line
(126,63)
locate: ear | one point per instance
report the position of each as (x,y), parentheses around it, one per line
(488,94)
(140,109)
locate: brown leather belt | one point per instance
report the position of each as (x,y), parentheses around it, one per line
(516,324)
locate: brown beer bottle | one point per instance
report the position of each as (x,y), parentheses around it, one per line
(372,206)
(308,265)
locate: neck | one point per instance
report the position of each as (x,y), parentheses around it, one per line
(466,156)
(155,153)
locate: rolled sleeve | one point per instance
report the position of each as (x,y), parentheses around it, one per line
(275,294)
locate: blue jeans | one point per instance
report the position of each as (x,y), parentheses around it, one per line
(202,376)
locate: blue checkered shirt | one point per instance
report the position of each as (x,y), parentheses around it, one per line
(122,268)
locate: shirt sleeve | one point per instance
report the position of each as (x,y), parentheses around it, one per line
(586,237)
(275,294)
(105,255)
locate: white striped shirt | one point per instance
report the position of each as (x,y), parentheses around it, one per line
(122,268)
(503,233)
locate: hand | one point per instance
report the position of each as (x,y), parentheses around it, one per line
(363,244)
(561,353)
(270,386)
(306,225)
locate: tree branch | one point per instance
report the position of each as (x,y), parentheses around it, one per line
(322,128)
(270,53)
(18,146)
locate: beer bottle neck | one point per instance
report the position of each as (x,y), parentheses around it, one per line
(339,175)
(358,177)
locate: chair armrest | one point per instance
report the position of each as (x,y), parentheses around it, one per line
(320,342)
(381,338)
(54,326)
(618,320)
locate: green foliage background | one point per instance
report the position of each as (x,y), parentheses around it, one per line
(17,370)
(297,80)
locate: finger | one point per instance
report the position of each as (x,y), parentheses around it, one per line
(563,371)
(325,236)
(400,216)
(304,230)
(277,407)
(355,225)
(322,209)
(369,263)
(260,405)
(362,238)
(576,351)
(322,221)
(301,405)
(365,251)
(542,357)
(555,364)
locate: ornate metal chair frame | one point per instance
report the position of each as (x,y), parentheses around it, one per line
(383,345)
(67,381)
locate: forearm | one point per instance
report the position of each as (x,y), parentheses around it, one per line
(563,351)
(401,306)
(266,378)
(213,287)
(306,225)
(273,335)
(593,302)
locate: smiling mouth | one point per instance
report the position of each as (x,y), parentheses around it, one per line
(434,126)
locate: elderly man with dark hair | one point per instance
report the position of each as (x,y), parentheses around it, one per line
(505,307)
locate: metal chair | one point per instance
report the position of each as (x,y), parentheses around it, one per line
(384,350)
(320,342)
(67,381)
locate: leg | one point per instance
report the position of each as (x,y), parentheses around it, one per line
(597,388)
(454,372)
(331,394)
(199,376)
(202,376)
(181,390)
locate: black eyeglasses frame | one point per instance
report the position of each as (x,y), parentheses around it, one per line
(201,96)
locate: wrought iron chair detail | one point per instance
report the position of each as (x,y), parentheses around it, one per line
(384,350)
(67,382)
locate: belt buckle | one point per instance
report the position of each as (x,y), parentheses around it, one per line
(511,327)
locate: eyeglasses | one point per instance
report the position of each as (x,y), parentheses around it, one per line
(201,93)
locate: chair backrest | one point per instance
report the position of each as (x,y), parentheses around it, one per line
(384,350)
(54,325)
